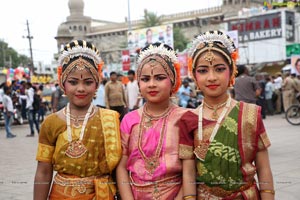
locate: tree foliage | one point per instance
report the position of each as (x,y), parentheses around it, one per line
(180,41)
(151,19)
(10,57)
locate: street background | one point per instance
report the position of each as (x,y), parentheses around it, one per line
(18,165)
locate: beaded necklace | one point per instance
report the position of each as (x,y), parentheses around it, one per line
(201,150)
(76,148)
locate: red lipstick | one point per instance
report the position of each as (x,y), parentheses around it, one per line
(153,93)
(212,87)
(80,96)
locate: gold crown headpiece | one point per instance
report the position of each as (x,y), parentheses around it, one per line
(164,55)
(88,57)
(213,41)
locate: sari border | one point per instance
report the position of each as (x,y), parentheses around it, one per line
(112,138)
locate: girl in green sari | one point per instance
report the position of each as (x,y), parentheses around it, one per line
(227,137)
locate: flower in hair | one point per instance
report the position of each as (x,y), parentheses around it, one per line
(213,36)
(160,50)
(79,51)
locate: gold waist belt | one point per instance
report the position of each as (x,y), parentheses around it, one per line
(169,180)
(67,180)
(220,192)
(80,184)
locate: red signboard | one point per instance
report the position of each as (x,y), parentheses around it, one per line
(182,58)
(126,60)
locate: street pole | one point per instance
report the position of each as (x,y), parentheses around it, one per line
(129,21)
(30,37)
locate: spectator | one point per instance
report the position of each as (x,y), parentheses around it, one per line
(134,102)
(261,99)
(288,91)
(60,100)
(42,105)
(31,113)
(100,95)
(269,89)
(115,96)
(23,100)
(184,93)
(246,88)
(277,86)
(8,111)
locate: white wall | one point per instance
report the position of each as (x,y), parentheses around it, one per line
(262,51)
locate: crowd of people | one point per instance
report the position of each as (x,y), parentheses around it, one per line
(21,100)
(159,136)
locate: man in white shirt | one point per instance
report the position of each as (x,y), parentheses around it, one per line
(8,111)
(31,113)
(134,102)
(100,95)
(277,86)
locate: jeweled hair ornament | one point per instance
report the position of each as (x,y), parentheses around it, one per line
(70,52)
(79,55)
(160,50)
(214,41)
(166,57)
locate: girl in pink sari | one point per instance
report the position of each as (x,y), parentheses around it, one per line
(151,167)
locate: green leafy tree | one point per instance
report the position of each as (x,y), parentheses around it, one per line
(180,41)
(10,57)
(151,19)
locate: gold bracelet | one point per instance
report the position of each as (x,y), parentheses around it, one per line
(268,191)
(189,196)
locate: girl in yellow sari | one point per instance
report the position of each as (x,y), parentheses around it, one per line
(227,137)
(81,142)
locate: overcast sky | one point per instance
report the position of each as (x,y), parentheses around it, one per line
(45,16)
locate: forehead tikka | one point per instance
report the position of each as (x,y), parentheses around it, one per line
(80,64)
(162,62)
(209,56)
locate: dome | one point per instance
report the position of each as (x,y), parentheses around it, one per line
(76,7)
(63,30)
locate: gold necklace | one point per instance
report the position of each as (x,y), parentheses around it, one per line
(77,119)
(152,162)
(203,145)
(150,117)
(76,148)
(214,114)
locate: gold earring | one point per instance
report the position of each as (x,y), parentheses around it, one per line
(140,96)
(197,89)
(64,94)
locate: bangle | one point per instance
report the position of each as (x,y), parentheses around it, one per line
(268,191)
(189,196)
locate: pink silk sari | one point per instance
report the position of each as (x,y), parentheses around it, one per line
(165,181)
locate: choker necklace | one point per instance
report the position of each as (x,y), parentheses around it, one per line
(201,150)
(77,119)
(149,118)
(152,162)
(76,148)
(214,114)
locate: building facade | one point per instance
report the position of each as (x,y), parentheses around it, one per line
(111,37)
